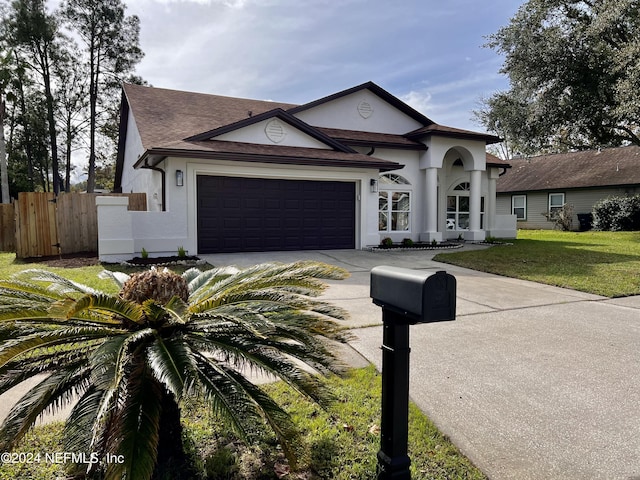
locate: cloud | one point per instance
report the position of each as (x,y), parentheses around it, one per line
(420,100)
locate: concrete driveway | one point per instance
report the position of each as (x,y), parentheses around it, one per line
(530,381)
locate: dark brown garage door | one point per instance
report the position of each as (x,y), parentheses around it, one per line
(255,214)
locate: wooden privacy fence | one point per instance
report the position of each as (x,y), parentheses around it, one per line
(45,225)
(7,228)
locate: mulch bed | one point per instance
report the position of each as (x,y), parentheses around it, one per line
(75,260)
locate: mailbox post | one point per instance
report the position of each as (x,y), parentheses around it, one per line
(407,297)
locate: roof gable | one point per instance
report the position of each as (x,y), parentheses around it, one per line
(271,132)
(593,168)
(366,107)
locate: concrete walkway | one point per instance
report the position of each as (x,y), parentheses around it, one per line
(530,381)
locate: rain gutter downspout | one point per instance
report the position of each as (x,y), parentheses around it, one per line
(163,182)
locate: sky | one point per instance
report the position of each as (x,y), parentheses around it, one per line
(428,53)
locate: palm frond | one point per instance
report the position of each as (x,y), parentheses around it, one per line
(100,303)
(83,423)
(279,420)
(57,283)
(171,362)
(267,357)
(225,397)
(199,280)
(136,437)
(119,278)
(25,344)
(52,393)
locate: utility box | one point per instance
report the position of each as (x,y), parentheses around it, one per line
(415,295)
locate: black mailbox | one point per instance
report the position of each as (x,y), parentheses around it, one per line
(416,295)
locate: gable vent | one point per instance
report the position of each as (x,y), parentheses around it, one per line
(274,130)
(365,109)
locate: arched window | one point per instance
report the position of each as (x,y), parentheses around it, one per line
(393,179)
(394,203)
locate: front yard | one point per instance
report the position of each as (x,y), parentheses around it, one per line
(602,263)
(338,443)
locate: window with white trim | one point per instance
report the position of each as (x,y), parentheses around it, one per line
(556,202)
(519,206)
(394,204)
(458,208)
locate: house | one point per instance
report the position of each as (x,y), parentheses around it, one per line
(226,174)
(536,186)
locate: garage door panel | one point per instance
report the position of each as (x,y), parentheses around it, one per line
(255,214)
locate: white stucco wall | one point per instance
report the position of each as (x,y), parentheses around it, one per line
(259,133)
(361,110)
(139,180)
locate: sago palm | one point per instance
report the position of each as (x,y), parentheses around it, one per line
(129,360)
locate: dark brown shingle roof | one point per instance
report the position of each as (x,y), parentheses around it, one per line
(444,131)
(608,167)
(163,116)
(368,139)
(172,122)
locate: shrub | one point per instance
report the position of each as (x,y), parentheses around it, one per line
(386,242)
(617,213)
(407,242)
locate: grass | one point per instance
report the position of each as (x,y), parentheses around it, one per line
(338,443)
(602,263)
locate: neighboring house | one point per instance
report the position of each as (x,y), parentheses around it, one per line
(535,186)
(228,174)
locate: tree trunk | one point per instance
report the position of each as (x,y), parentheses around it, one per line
(172,459)
(4,177)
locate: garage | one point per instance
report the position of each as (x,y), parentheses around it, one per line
(237,214)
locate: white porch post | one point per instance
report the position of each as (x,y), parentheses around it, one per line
(431,208)
(475,195)
(490,205)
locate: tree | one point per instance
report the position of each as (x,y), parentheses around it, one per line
(72,105)
(573,70)
(132,358)
(36,31)
(5,78)
(111,42)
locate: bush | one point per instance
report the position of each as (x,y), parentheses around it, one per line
(617,213)
(386,243)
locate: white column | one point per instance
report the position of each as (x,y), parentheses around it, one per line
(475,196)
(431,207)
(115,229)
(490,205)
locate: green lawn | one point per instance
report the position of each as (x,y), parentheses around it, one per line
(603,263)
(339,443)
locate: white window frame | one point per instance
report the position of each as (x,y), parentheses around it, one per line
(554,208)
(514,208)
(462,190)
(389,186)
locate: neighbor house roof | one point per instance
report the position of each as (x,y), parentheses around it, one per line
(593,168)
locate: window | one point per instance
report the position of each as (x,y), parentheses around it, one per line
(519,206)
(394,211)
(556,202)
(393,179)
(394,204)
(458,208)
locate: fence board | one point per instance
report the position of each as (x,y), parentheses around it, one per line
(36,229)
(7,227)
